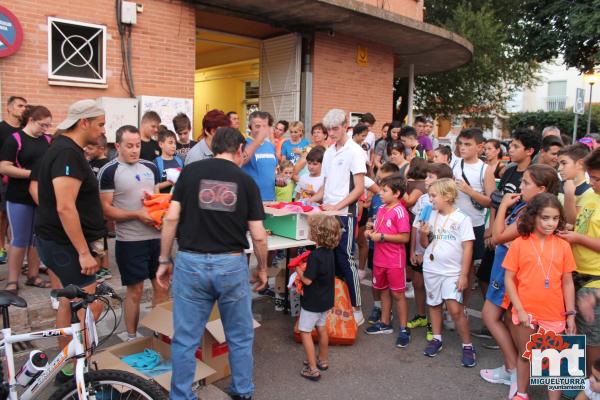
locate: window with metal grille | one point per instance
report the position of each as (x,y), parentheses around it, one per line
(76,51)
(251,90)
(557,96)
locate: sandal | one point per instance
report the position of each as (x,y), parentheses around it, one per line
(36,281)
(323,366)
(313,375)
(12,283)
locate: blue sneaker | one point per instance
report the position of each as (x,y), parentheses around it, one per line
(375,315)
(403,338)
(379,328)
(468,358)
(433,348)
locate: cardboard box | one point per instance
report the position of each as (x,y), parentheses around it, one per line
(293,226)
(213,350)
(111,359)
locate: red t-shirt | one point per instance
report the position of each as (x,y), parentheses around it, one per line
(544,303)
(391,221)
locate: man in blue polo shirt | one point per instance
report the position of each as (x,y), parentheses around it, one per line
(260,160)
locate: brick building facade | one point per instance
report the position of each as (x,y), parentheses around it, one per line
(164,43)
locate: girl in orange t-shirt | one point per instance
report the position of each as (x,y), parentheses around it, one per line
(538,280)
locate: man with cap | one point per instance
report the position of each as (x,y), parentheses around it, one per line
(69,224)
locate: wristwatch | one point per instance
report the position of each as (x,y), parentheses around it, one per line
(570,312)
(164,262)
(381,238)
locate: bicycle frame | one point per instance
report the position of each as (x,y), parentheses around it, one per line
(75,349)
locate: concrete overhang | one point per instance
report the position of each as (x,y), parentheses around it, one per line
(430,48)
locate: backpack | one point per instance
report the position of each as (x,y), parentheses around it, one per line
(17,137)
(160,164)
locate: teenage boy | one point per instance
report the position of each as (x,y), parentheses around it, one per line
(123,184)
(423,136)
(408,136)
(11,123)
(524,146)
(344,171)
(434,172)
(359,135)
(585,240)
(148,130)
(368,144)
(260,157)
(96,156)
(551,145)
(167,142)
(574,187)
(183,129)
(474,186)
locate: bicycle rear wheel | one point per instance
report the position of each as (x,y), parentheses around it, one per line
(109,384)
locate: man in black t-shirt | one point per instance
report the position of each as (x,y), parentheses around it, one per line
(69,224)
(214,204)
(15,106)
(148,130)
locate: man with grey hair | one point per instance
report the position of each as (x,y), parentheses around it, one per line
(551,131)
(344,172)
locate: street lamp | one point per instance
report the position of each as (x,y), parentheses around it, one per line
(590,78)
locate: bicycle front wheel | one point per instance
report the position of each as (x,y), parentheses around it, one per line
(114,385)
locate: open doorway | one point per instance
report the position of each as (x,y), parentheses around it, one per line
(244,65)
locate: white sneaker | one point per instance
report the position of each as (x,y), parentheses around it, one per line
(359,318)
(54,301)
(410,291)
(496,375)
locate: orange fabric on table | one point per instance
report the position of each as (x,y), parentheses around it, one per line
(542,303)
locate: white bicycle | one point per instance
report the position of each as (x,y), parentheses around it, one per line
(88,384)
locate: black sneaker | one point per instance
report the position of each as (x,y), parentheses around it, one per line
(375,316)
(482,333)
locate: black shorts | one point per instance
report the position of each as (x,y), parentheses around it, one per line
(364,218)
(370,258)
(63,260)
(416,268)
(485,269)
(137,261)
(479,244)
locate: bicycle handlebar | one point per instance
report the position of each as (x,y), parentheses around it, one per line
(70,292)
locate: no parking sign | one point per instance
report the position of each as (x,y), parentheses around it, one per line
(11,33)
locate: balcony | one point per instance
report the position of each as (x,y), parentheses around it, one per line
(556,103)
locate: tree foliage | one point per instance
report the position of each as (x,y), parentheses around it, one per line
(510,39)
(562,119)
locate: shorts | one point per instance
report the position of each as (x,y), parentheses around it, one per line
(389,278)
(554,326)
(485,268)
(496,292)
(20,219)
(370,257)
(592,331)
(479,244)
(309,319)
(440,288)
(364,218)
(63,260)
(137,261)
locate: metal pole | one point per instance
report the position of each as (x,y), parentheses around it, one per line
(575,128)
(411,93)
(589,124)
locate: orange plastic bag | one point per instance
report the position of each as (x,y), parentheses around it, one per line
(341,326)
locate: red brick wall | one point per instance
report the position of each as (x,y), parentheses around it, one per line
(339,82)
(409,8)
(163,46)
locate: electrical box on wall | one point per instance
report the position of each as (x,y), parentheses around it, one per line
(128,13)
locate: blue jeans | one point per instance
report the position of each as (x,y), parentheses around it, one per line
(198,281)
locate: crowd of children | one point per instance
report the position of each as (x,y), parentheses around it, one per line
(430,221)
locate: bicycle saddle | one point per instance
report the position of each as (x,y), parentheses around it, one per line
(9,299)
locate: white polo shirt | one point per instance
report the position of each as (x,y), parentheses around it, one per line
(339,166)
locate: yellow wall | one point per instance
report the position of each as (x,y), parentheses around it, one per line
(221,88)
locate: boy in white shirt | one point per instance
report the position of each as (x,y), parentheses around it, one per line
(310,184)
